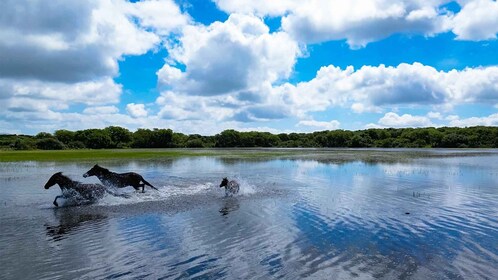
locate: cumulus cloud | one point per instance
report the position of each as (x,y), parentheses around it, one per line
(357,21)
(374,88)
(193,108)
(360,22)
(491,120)
(163,16)
(101,110)
(320,125)
(228,57)
(477,20)
(394,120)
(367,89)
(54,54)
(59,95)
(261,113)
(136,110)
(406,120)
(257,7)
(435,115)
(73,41)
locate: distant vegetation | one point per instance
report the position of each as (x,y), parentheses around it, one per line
(117,137)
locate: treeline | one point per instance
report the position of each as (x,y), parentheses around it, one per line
(114,137)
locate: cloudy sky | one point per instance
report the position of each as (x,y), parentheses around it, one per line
(202,66)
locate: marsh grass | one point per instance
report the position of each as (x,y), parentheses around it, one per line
(77,155)
(323,155)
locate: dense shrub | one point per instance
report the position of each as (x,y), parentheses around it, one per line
(49,144)
(118,137)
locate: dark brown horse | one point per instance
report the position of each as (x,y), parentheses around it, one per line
(231,187)
(118,180)
(89,192)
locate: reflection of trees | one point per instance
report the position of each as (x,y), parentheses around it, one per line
(70,219)
(230,204)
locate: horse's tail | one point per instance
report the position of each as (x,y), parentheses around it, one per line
(148,184)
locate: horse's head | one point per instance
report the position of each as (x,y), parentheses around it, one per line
(96,169)
(224,182)
(53,180)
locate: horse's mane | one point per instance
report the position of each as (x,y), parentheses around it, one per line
(103,168)
(66,177)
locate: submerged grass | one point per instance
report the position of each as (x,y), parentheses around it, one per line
(324,155)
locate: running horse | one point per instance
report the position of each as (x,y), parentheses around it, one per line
(118,180)
(231,187)
(90,192)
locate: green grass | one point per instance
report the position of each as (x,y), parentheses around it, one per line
(78,155)
(326,155)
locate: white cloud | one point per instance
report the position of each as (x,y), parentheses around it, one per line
(101,110)
(357,21)
(257,7)
(361,22)
(394,120)
(136,110)
(74,41)
(230,68)
(452,117)
(54,54)
(491,120)
(435,115)
(477,20)
(164,16)
(57,94)
(368,89)
(331,125)
(237,55)
(371,89)
(194,108)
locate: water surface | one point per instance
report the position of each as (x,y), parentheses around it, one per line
(431,215)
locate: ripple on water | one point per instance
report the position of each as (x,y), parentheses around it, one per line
(292,219)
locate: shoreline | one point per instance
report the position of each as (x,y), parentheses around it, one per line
(332,154)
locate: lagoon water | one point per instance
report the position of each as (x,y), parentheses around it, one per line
(430,215)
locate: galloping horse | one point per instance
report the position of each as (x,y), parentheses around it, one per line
(118,180)
(89,192)
(231,187)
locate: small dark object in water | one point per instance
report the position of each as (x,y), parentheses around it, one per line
(407,213)
(231,187)
(89,192)
(118,180)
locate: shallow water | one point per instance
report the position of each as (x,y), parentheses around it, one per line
(433,217)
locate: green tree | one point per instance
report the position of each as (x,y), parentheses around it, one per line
(228,138)
(49,144)
(120,137)
(94,138)
(43,135)
(157,138)
(65,136)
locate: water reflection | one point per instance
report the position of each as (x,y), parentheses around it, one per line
(69,220)
(302,217)
(230,204)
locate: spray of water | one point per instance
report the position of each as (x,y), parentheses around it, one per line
(129,196)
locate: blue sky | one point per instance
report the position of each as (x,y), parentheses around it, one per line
(200,66)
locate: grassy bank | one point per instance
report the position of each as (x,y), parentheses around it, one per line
(76,155)
(326,155)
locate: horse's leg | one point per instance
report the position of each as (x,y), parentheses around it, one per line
(143,187)
(147,183)
(55,200)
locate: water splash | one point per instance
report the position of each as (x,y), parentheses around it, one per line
(129,196)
